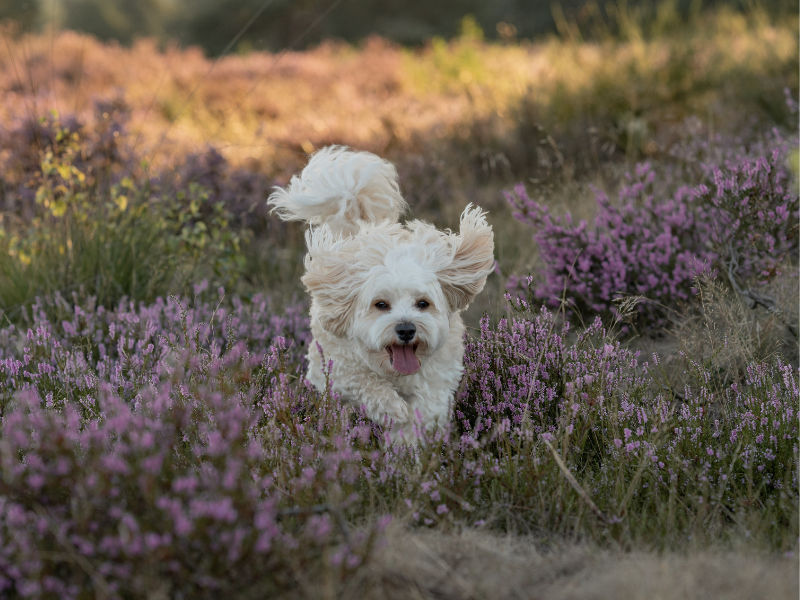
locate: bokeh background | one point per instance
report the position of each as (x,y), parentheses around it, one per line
(212,24)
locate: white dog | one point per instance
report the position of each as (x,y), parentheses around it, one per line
(385,297)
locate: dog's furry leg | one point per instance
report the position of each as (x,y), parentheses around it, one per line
(361,387)
(431,405)
(382,402)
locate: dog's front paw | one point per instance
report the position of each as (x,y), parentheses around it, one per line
(393,410)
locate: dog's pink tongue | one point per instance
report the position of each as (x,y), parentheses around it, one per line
(404,360)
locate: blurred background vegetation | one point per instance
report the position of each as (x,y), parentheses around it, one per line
(132,166)
(277,24)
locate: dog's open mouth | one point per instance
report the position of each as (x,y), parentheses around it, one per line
(403,358)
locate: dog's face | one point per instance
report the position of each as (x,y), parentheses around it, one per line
(390,290)
(401,314)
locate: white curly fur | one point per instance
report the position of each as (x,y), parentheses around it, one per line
(359,256)
(339,188)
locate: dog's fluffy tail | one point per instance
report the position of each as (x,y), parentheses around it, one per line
(339,188)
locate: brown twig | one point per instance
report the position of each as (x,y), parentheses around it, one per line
(575,485)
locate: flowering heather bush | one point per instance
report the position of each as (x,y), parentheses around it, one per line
(169,496)
(176,447)
(741,220)
(532,368)
(634,445)
(69,349)
(140,455)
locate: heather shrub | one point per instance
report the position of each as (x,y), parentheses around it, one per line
(533,367)
(632,447)
(64,349)
(740,221)
(168,497)
(165,467)
(164,446)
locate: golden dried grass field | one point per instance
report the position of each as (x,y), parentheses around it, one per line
(462,119)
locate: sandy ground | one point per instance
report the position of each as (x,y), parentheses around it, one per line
(475,565)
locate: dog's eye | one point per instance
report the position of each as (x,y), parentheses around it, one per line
(381,305)
(423,304)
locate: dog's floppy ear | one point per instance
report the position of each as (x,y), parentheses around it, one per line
(330,278)
(472,259)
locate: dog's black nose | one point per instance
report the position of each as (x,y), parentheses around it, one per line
(406,331)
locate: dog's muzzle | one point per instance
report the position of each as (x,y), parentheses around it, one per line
(403,356)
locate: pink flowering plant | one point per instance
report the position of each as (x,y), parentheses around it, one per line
(176,446)
(143,450)
(612,418)
(740,221)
